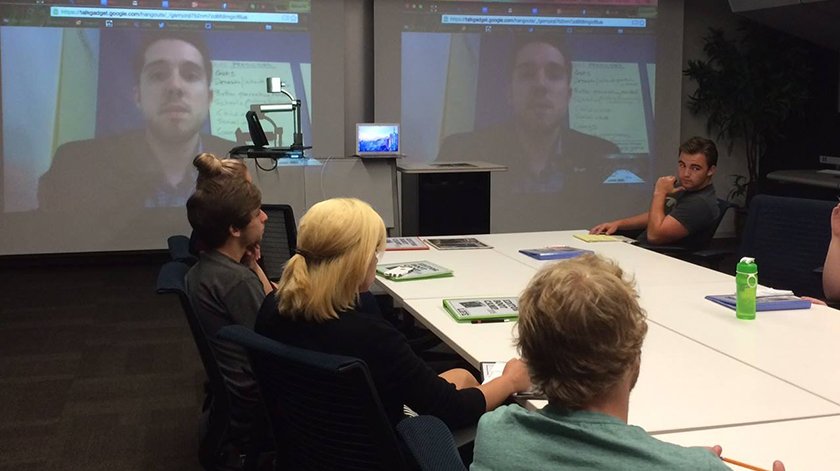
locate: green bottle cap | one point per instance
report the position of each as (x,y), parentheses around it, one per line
(747,265)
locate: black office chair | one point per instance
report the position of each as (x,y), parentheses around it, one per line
(789,238)
(217,402)
(180,249)
(279,239)
(698,253)
(326,413)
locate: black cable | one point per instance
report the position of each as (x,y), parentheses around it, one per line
(257,163)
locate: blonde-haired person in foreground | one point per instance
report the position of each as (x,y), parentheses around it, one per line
(339,241)
(581,331)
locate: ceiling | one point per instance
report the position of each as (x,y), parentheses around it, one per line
(815,20)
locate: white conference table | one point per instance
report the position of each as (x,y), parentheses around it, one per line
(503,271)
(803,445)
(682,385)
(701,367)
(647,267)
(798,346)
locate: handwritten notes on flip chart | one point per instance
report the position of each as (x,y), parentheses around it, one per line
(239,84)
(607,101)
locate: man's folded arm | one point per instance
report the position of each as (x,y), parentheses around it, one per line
(662,229)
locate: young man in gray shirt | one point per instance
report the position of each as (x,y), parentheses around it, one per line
(683,207)
(227,286)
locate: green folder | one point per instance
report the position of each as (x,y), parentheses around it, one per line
(406,271)
(481,310)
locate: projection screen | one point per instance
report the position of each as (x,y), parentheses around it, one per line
(104,107)
(579,99)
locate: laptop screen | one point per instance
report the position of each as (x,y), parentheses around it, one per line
(377,139)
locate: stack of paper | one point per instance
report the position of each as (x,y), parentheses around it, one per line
(491,370)
(458,243)
(405,243)
(604,238)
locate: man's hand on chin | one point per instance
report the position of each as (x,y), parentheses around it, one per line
(667,185)
(252,255)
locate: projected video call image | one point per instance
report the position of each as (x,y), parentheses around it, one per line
(568,111)
(101,139)
(143,106)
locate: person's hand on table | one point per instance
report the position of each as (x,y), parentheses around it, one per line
(816,301)
(717,450)
(608,228)
(516,371)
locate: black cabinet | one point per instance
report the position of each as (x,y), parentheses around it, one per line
(445,199)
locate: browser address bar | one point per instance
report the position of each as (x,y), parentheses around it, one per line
(172,15)
(500,20)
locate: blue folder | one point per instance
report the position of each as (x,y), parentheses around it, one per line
(764,303)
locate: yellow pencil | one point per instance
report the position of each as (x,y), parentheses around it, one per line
(742,464)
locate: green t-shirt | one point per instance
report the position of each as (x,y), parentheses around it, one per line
(513,438)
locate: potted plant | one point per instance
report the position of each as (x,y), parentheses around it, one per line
(748,86)
(737,195)
(738,191)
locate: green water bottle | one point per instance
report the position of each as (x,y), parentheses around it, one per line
(746,281)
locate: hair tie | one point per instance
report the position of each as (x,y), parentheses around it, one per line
(311,257)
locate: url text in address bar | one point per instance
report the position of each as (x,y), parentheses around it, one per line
(172,15)
(497,20)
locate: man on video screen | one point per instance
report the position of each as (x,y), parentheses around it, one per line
(543,154)
(150,167)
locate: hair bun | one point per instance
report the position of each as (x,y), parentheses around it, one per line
(208,165)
